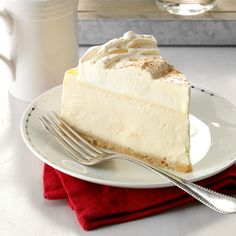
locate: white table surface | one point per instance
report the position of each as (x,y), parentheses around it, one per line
(23,209)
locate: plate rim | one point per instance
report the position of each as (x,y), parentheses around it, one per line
(37,153)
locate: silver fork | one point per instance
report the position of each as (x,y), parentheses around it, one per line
(87,154)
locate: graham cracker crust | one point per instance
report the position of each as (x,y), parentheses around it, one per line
(153,160)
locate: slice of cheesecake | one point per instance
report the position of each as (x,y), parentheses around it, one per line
(126,97)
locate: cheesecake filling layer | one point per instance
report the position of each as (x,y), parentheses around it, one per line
(144,130)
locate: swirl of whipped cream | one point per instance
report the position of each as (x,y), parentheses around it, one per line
(130,44)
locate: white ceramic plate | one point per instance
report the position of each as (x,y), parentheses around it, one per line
(213,143)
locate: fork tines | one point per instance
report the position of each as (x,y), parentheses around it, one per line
(78,148)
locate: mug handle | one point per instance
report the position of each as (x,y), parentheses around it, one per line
(9,24)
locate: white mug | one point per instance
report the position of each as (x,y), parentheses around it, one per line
(43,44)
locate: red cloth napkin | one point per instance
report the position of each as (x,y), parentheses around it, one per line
(98,205)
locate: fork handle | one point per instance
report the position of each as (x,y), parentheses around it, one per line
(216,201)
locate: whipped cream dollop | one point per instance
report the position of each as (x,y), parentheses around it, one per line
(129,46)
(131,66)
(131,51)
